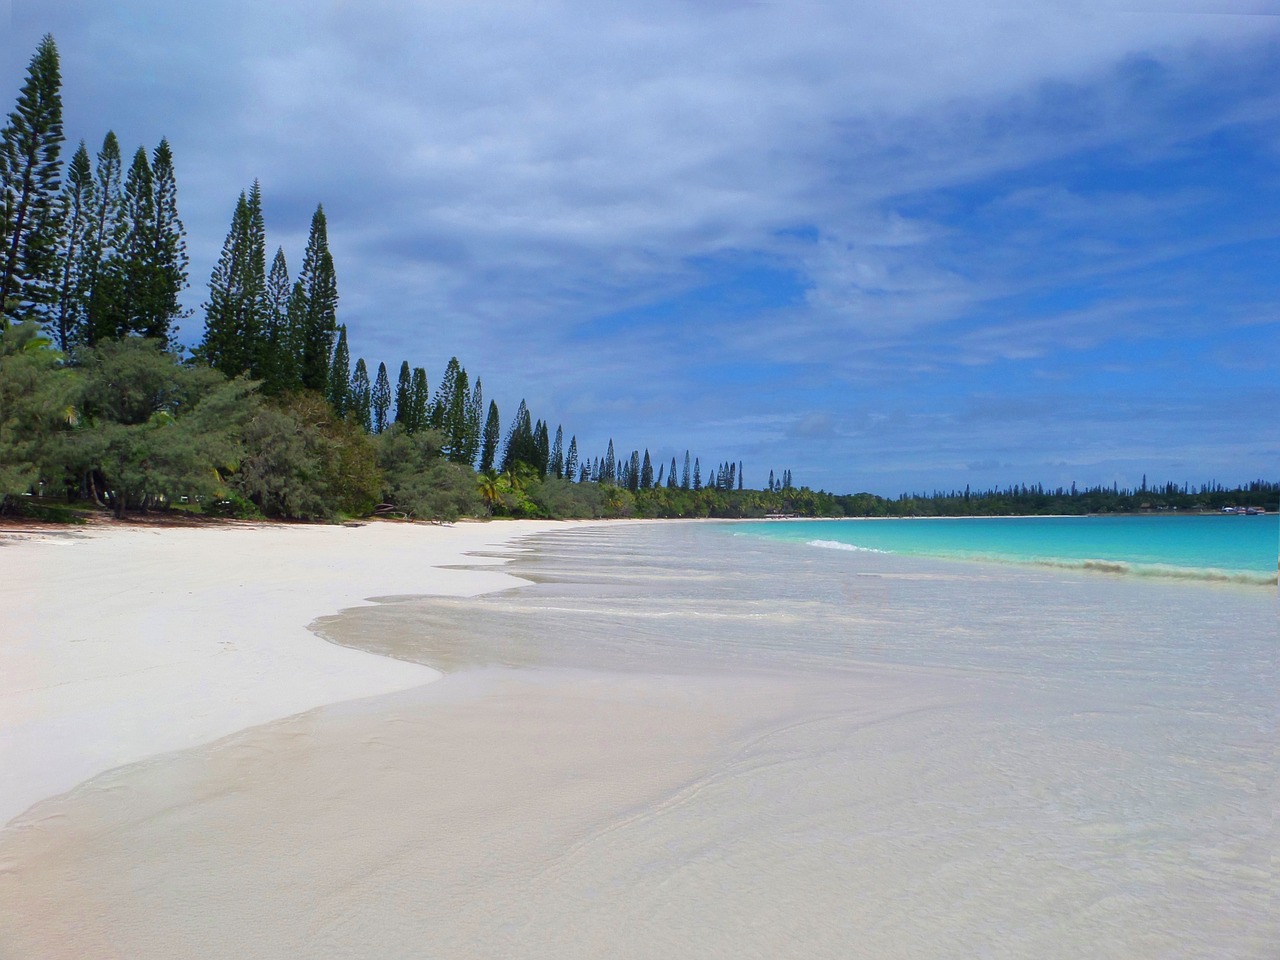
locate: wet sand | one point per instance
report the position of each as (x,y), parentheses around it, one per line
(120,643)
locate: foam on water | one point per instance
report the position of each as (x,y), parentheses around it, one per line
(678,742)
(838,545)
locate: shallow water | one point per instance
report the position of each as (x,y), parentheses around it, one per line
(1218,547)
(678,741)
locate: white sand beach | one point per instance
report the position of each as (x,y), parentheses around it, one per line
(121,643)
(670,742)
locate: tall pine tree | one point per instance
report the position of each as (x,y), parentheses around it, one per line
(320,305)
(571,459)
(278,363)
(134,265)
(489,441)
(442,405)
(166,275)
(102,246)
(381,400)
(609,466)
(404,395)
(362,396)
(555,465)
(234,340)
(542,450)
(475,420)
(456,419)
(77,206)
(522,445)
(419,402)
(30,181)
(339,388)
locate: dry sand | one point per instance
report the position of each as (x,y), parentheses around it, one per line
(189,772)
(121,643)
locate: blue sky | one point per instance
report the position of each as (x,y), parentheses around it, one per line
(886,245)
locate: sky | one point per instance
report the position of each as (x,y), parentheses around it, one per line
(889,245)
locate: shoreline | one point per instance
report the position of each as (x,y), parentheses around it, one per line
(132,641)
(889,756)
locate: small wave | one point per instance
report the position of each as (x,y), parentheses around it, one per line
(837,545)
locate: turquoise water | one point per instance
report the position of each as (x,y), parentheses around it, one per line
(1236,548)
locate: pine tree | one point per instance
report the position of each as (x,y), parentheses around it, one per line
(278,364)
(320,317)
(739,474)
(671,475)
(419,401)
(252,320)
(221,347)
(339,388)
(542,451)
(362,396)
(30,187)
(571,459)
(456,419)
(134,265)
(684,476)
(608,466)
(489,442)
(697,474)
(521,446)
(296,331)
(235,315)
(381,400)
(404,395)
(160,308)
(475,418)
(555,465)
(101,246)
(646,472)
(442,404)
(77,208)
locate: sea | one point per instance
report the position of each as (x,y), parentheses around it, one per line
(1050,738)
(1024,738)
(1232,547)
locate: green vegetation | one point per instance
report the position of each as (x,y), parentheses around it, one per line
(269,416)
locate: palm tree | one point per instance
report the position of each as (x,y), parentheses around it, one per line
(490,489)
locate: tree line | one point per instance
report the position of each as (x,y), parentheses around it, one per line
(267,415)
